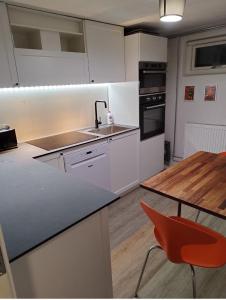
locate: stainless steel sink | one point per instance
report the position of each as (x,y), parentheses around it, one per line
(108,130)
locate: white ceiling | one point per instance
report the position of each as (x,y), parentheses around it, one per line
(198,13)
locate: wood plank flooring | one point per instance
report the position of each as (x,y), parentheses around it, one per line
(131,235)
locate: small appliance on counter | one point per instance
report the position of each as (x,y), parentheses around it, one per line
(8,138)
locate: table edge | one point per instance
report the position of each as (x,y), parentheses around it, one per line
(183,202)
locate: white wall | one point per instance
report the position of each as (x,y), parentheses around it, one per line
(171,87)
(38,112)
(197,111)
(124,102)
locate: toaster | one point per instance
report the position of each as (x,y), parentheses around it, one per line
(8,139)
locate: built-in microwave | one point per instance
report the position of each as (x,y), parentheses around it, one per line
(152,77)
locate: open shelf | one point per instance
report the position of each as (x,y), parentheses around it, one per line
(72,42)
(34,30)
(26,38)
(40,27)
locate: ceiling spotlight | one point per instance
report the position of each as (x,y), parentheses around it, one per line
(171,10)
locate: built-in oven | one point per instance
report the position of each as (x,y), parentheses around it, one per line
(152,77)
(152,115)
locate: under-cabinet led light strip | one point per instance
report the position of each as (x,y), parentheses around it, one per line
(51,87)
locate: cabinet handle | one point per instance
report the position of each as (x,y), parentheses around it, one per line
(16,84)
(90,166)
(92,80)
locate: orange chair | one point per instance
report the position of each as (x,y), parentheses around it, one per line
(185,241)
(222,153)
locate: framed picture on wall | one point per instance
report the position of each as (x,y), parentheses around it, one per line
(189,92)
(210,93)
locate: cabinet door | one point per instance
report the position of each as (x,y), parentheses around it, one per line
(7,289)
(95,171)
(73,264)
(153,48)
(8,74)
(151,156)
(105,46)
(49,68)
(124,162)
(52,160)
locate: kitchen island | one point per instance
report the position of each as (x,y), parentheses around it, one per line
(55,228)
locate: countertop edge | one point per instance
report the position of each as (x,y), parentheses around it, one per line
(63,230)
(100,138)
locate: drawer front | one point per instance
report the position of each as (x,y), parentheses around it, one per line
(95,171)
(86,153)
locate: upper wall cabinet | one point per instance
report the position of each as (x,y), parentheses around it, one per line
(8,74)
(153,48)
(143,47)
(49,49)
(105,46)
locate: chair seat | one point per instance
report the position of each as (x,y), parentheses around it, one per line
(185,241)
(207,255)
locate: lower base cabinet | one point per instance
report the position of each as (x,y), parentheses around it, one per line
(54,160)
(74,264)
(124,161)
(120,158)
(151,156)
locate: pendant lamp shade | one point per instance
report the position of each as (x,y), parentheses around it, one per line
(171,10)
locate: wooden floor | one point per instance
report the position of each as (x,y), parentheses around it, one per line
(131,235)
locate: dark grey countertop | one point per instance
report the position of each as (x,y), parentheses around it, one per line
(37,202)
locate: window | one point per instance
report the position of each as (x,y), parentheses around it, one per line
(206,56)
(210,56)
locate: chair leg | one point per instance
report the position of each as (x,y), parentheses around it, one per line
(193,281)
(143,267)
(179,207)
(197,216)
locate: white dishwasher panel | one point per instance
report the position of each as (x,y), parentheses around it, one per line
(91,164)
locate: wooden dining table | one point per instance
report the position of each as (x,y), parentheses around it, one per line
(198,181)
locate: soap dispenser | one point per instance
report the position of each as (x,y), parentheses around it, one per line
(109,118)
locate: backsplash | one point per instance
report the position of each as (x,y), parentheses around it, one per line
(42,111)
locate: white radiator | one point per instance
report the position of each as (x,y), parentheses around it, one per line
(211,138)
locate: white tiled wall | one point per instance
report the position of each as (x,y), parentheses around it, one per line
(38,112)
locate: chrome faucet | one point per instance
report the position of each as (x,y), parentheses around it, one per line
(97,123)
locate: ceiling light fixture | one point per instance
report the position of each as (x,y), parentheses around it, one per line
(171,10)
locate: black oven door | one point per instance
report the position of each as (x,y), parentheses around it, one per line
(152,82)
(152,120)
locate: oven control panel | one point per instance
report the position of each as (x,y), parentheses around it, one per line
(153,99)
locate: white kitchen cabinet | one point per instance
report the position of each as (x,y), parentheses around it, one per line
(7,287)
(8,74)
(90,163)
(74,264)
(124,161)
(39,67)
(112,164)
(105,47)
(49,48)
(143,47)
(151,156)
(153,48)
(55,160)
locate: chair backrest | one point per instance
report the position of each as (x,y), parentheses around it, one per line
(174,234)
